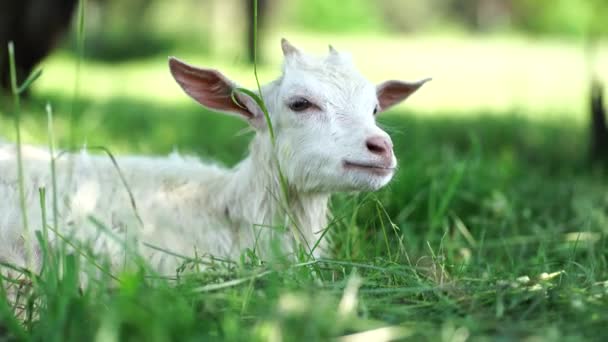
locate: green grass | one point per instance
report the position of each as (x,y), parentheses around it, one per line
(494,227)
(478,203)
(537,78)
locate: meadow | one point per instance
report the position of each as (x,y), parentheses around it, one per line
(494,228)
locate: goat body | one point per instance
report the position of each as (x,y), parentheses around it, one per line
(181,205)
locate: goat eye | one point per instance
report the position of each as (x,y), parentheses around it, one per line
(375,110)
(300,105)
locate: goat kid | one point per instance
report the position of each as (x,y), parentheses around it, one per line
(323,112)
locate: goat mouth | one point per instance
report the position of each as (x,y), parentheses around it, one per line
(376,169)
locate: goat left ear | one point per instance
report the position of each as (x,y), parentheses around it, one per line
(288,48)
(215,91)
(392,92)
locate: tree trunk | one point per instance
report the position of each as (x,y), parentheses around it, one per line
(599,130)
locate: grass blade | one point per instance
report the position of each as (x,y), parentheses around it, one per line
(20,181)
(29,80)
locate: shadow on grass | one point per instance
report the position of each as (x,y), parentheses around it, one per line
(142,126)
(137,127)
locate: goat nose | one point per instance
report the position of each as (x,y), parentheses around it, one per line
(379,145)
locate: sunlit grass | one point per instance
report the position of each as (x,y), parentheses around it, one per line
(499,74)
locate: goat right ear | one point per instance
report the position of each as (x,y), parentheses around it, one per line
(214,91)
(392,92)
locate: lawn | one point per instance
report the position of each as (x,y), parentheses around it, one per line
(494,228)
(539,78)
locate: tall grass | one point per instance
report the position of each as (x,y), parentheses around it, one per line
(80,40)
(284,198)
(17,90)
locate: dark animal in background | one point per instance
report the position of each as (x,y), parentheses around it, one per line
(35,26)
(599,129)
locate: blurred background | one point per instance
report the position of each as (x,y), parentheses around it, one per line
(527,58)
(503,156)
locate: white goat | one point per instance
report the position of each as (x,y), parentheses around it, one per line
(323,113)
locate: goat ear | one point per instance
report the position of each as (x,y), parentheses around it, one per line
(213,90)
(288,49)
(392,92)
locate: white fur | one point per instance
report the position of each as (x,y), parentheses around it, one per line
(189,207)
